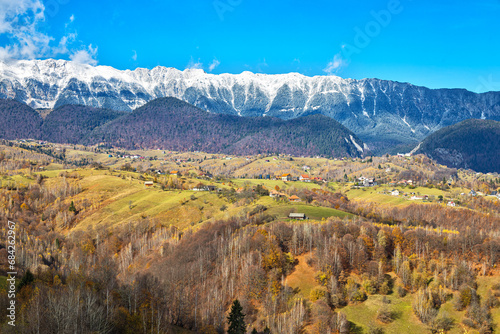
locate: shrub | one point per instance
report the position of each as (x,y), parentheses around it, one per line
(491,301)
(479,318)
(258,209)
(317,293)
(401,291)
(372,329)
(423,306)
(357,296)
(440,325)
(369,287)
(385,315)
(385,289)
(464,298)
(337,300)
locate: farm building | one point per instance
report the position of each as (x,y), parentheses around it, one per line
(295,215)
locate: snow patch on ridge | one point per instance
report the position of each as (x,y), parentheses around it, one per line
(356,144)
(404,120)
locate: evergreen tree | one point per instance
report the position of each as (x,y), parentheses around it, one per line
(26,280)
(72,207)
(236,319)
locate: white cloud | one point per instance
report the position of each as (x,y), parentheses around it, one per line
(62,48)
(134,56)
(194,65)
(214,65)
(85,56)
(337,64)
(71,20)
(20,22)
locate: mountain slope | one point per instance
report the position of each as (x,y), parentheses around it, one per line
(471,144)
(172,124)
(382,113)
(17,120)
(71,123)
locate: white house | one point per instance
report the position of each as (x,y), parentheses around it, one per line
(305,178)
(395,192)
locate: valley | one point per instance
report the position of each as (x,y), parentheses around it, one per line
(379,232)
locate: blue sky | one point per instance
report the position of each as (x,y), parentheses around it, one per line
(452,44)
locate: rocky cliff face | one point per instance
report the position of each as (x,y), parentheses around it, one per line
(382,113)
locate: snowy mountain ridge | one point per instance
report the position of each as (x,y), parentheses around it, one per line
(382,113)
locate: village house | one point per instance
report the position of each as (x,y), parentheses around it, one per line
(148,184)
(212,188)
(206,175)
(286,177)
(299,216)
(304,178)
(395,192)
(276,194)
(366,182)
(294,198)
(201,187)
(318,179)
(175,173)
(451,203)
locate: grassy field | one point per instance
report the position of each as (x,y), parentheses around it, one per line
(112,198)
(484,285)
(363,315)
(373,195)
(123,201)
(271,184)
(313,212)
(302,278)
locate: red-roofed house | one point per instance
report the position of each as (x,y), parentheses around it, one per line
(305,178)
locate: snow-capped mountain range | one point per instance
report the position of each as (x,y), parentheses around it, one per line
(381,112)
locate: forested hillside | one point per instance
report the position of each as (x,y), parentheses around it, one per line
(17,120)
(176,125)
(72,123)
(99,251)
(171,124)
(474,143)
